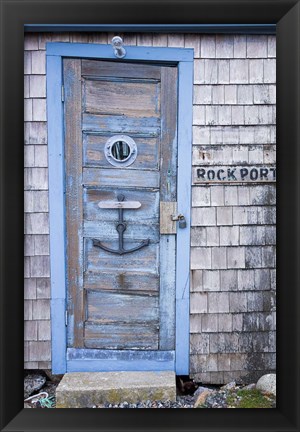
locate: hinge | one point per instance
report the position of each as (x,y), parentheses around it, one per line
(66,318)
(62,93)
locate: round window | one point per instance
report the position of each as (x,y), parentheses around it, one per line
(120,150)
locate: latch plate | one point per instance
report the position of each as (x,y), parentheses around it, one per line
(167,209)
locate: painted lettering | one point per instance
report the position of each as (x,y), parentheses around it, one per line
(230,174)
(254,174)
(220,171)
(264,173)
(201,173)
(274,172)
(211,174)
(244,173)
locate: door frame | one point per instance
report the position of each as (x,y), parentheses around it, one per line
(184,59)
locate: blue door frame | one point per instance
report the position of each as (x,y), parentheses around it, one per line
(184,59)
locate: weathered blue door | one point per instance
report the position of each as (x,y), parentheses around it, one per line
(121,176)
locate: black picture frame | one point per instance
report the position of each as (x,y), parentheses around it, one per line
(286,15)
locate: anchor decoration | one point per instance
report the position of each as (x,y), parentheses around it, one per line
(121,226)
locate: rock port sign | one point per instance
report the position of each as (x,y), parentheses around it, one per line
(234,174)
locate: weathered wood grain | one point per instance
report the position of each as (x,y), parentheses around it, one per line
(73,158)
(108,307)
(137,99)
(143,260)
(168,206)
(120,336)
(167,225)
(167,292)
(147,213)
(97,354)
(115,124)
(168,134)
(119,69)
(120,177)
(106,231)
(126,301)
(123,282)
(124,205)
(147,151)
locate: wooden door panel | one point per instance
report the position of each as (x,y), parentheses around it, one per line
(98,68)
(73,170)
(123,282)
(116,336)
(120,302)
(120,178)
(107,232)
(111,307)
(143,260)
(147,213)
(147,157)
(127,98)
(121,124)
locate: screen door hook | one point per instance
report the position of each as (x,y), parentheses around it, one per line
(117,44)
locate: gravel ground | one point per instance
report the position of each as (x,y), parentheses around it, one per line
(181,402)
(189,395)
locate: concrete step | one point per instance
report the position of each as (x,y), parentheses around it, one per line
(86,389)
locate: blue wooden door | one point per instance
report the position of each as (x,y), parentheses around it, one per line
(121,175)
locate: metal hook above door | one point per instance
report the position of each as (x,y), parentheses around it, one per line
(117,44)
(121,226)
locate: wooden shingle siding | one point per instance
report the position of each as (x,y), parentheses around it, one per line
(232,299)
(233,232)
(37,292)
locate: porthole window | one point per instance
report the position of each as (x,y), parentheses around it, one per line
(120,150)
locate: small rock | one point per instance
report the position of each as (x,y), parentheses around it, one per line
(200,390)
(250,387)
(33,383)
(267,384)
(202,398)
(229,386)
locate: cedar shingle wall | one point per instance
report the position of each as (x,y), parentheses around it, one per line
(233,227)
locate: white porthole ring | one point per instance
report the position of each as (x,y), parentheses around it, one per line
(108,151)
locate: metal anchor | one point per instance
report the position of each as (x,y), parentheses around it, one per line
(121,226)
